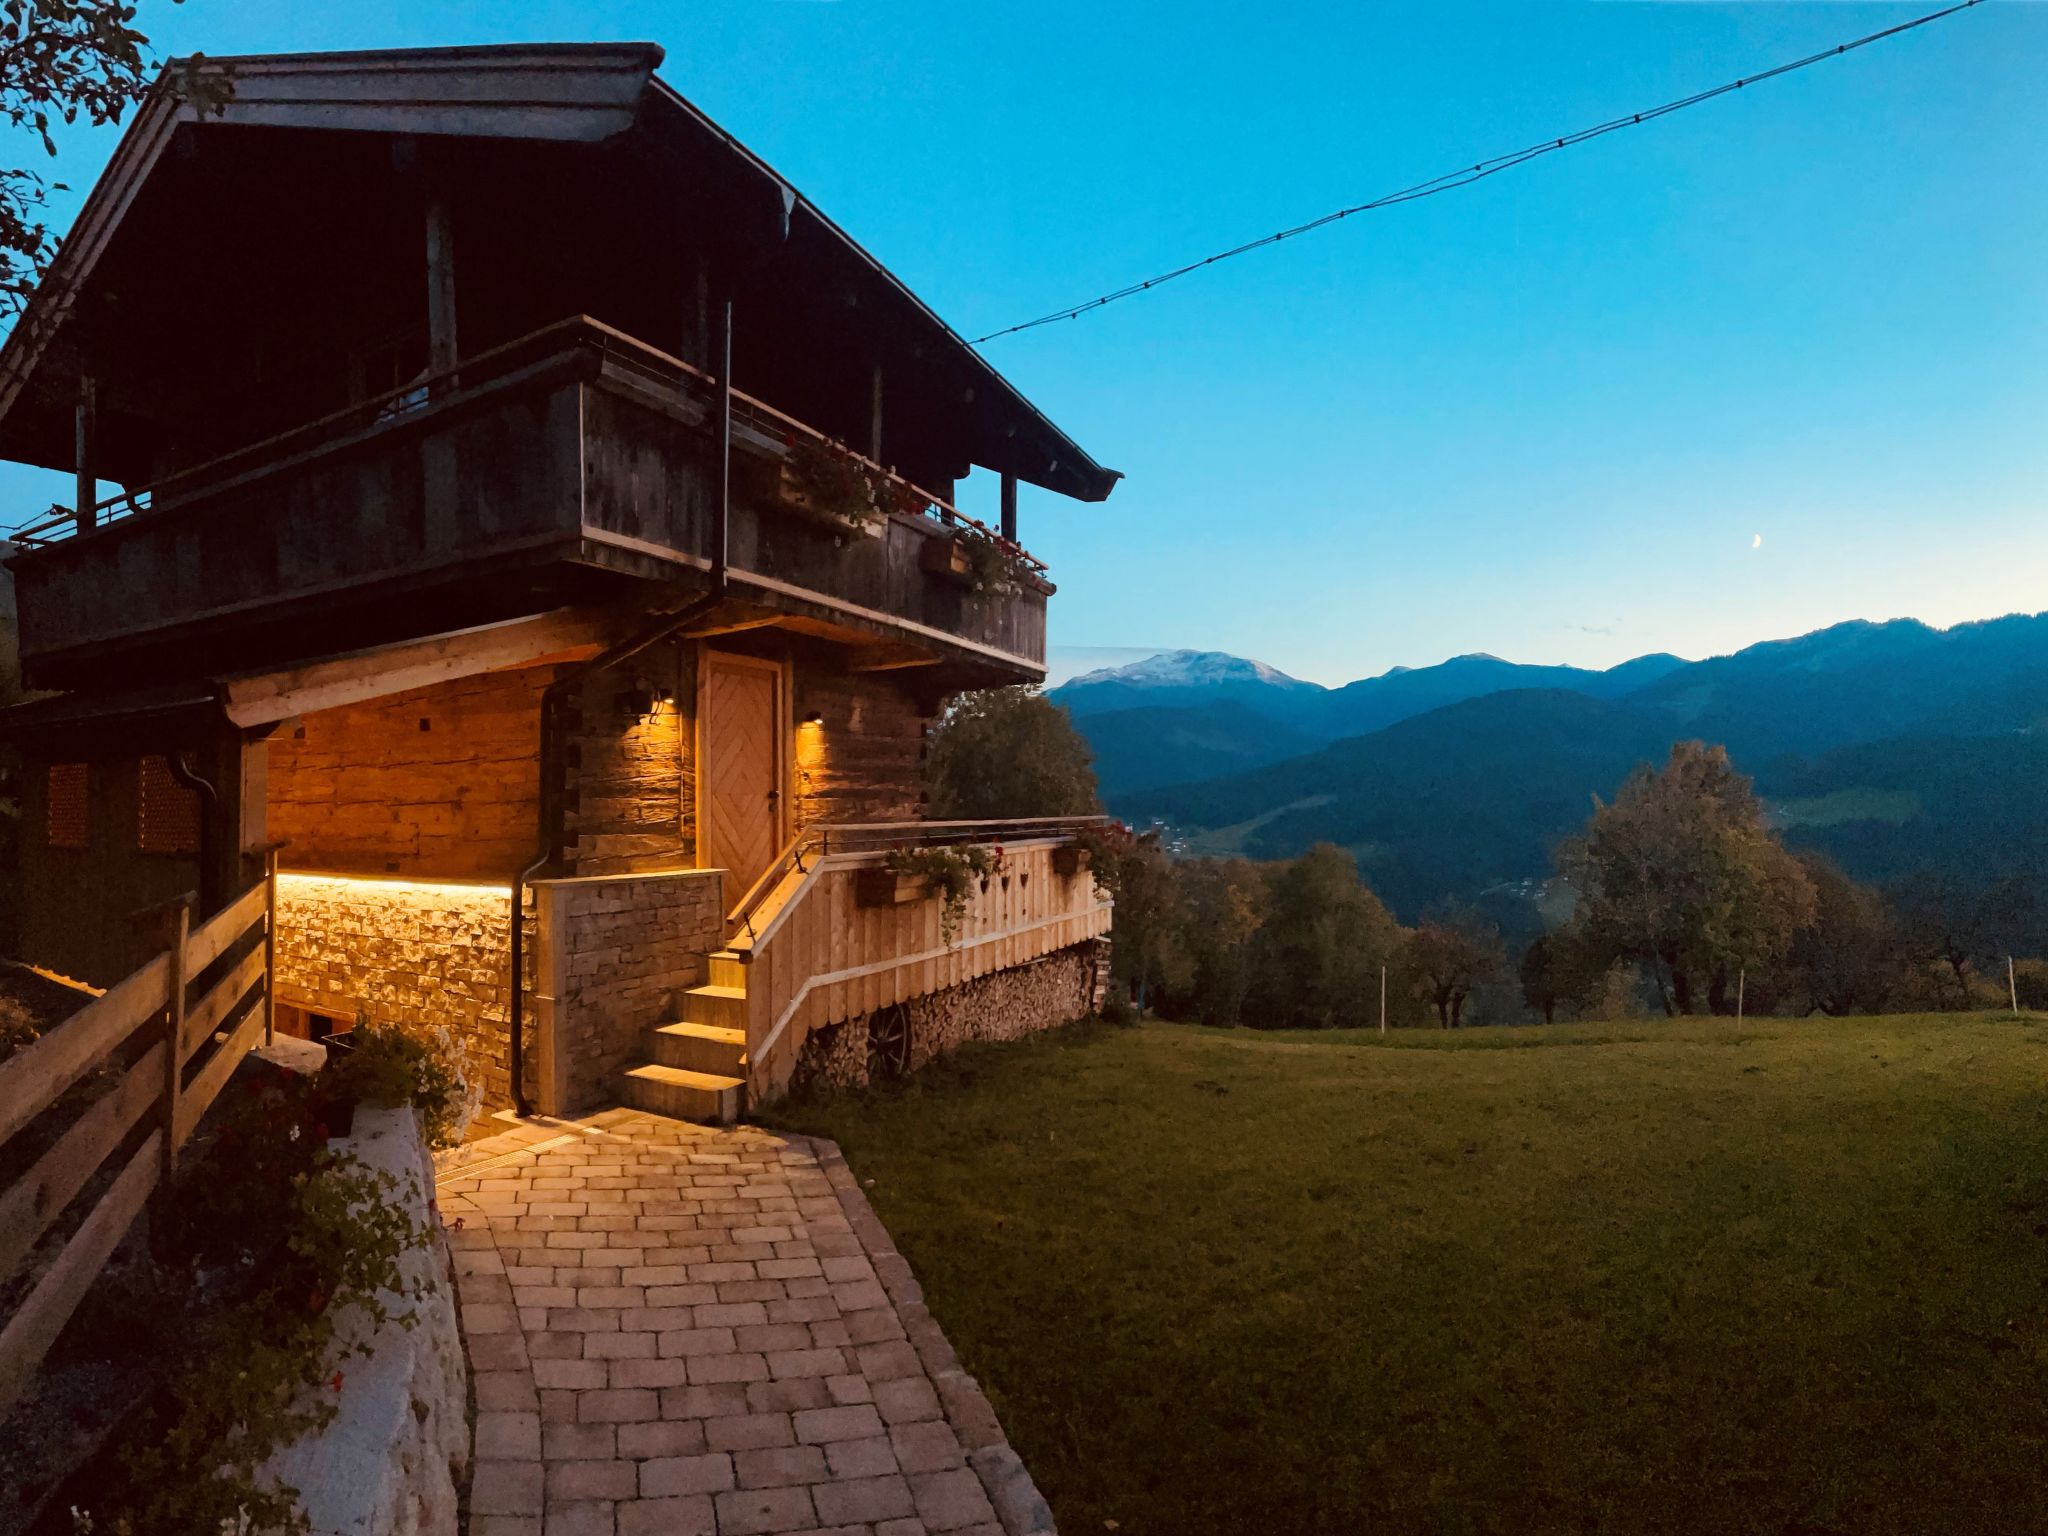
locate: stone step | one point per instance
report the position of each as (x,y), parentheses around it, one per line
(700,1047)
(714,1004)
(684,1095)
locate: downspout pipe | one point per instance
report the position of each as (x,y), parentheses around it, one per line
(557,692)
(181,772)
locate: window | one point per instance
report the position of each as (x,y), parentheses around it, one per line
(167,815)
(67,805)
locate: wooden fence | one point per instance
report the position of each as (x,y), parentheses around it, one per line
(174,1080)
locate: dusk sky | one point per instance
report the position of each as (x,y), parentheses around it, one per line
(1547,417)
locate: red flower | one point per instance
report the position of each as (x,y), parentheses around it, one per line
(334,1382)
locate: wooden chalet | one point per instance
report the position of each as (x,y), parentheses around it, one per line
(534,540)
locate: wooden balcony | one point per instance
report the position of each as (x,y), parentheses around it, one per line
(574,466)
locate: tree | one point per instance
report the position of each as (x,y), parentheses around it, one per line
(1846,960)
(1682,875)
(1223,906)
(1009,752)
(1446,959)
(60,61)
(1321,947)
(1148,954)
(1558,971)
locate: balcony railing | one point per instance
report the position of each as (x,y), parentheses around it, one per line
(572,454)
(768,424)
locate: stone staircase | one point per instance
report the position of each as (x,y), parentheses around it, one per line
(698,1064)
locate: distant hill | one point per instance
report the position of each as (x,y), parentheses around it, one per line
(1137,749)
(1217,697)
(1894,747)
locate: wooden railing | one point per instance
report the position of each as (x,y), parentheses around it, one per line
(821,956)
(823,838)
(196,1043)
(771,430)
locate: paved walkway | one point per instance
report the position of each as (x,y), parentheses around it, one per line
(683,1331)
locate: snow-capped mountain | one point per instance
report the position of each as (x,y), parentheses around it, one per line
(1198,669)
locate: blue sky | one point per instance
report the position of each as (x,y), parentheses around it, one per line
(1546,417)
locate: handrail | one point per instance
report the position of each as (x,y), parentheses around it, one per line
(460,378)
(858,837)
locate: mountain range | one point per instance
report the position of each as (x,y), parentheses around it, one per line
(1897,748)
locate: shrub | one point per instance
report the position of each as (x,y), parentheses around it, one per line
(952,872)
(430,1071)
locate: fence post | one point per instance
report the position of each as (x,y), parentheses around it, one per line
(270,948)
(180,926)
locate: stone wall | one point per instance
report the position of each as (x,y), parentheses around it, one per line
(1005,1005)
(390,1460)
(615,953)
(423,955)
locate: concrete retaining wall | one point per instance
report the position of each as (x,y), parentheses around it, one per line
(391,1459)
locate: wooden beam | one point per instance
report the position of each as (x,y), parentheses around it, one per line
(889,658)
(1009,506)
(266,697)
(875,417)
(85,431)
(441,336)
(732,626)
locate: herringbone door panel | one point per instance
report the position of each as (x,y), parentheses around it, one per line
(740,819)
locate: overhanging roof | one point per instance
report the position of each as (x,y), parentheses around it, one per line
(563,93)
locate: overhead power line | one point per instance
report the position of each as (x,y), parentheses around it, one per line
(1450,181)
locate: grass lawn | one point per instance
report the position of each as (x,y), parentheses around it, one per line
(1782,1277)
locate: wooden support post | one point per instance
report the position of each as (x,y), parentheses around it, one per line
(1010,507)
(85,429)
(270,948)
(180,926)
(875,416)
(441,337)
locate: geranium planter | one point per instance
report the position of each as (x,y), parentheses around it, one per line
(948,560)
(783,484)
(886,888)
(1070,860)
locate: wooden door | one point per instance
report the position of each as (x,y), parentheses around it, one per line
(740,768)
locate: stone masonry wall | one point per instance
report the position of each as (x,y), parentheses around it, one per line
(1005,1005)
(419,955)
(616,952)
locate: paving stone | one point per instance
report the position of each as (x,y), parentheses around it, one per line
(618,1405)
(584,1517)
(579,1442)
(788,1396)
(705,1402)
(856,1421)
(870,1457)
(507,1436)
(867,1498)
(506,1488)
(663,1437)
(649,1373)
(948,1501)
(748,1431)
(906,1400)
(666,1476)
(779,1466)
(570,1481)
(505,1392)
(754,1511)
(927,1447)
(690,1516)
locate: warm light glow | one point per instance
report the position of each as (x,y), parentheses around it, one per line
(393,887)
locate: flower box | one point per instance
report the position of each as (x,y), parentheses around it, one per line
(948,560)
(781,483)
(886,888)
(1070,859)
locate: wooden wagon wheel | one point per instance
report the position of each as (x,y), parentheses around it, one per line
(888,1043)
